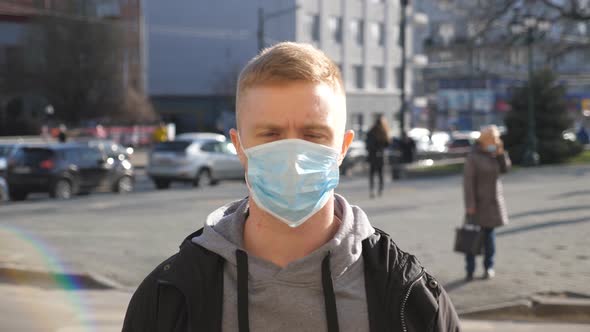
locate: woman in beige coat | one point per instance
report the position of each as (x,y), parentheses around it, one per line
(484,200)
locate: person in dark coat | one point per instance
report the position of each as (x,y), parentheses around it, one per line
(376,142)
(484,199)
(408,149)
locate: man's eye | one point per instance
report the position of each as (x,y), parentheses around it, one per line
(313,136)
(269,134)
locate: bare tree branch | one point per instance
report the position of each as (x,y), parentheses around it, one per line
(574,12)
(497,12)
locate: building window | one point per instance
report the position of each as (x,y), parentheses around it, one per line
(378,33)
(335,25)
(312,26)
(379,73)
(359,77)
(357,28)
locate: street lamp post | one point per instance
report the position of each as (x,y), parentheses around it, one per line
(402,36)
(262,18)
(530,25)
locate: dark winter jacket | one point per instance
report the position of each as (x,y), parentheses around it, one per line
(375,148)
(184,293)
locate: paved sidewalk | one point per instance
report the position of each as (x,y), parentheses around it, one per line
(32,309)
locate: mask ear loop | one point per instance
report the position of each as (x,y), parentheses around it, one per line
(245,154)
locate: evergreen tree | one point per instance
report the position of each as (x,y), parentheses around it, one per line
(551,119)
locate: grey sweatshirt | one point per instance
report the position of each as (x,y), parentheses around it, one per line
(291,298)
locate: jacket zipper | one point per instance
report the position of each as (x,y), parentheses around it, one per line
(405,301)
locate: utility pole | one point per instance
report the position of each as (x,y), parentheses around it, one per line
(529,25)
(402,28)
(531,157)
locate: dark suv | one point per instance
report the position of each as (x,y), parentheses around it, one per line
(64,170)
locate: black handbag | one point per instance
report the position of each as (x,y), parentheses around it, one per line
(469,239)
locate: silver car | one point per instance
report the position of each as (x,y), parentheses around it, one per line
(199,158)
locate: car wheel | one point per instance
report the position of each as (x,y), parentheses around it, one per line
(204,178)
(161,184)
(62,189)
(18,195)
(124,185)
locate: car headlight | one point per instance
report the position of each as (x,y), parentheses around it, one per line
(126,164)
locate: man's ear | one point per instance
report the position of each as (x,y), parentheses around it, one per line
(348,138)
(233,133)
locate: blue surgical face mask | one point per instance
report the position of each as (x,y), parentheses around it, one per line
(492,148)
(292,179)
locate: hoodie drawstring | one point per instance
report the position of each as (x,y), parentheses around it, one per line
(243,319)
(329,296)
(327,285)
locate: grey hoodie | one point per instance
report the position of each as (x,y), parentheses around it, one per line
(291,298)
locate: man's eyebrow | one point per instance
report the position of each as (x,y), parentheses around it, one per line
(315,126)
(267,126)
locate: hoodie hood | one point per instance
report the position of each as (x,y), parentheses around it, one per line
(223,235)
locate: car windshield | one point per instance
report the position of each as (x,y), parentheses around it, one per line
(174,146)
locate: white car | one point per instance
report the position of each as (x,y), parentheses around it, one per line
(199,158)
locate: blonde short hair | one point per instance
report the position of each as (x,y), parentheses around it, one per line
(491,130)
(289,62)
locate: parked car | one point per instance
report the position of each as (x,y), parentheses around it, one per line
(3,190)
(198,136)
(201,158)
(459,147)
(63,170)
(461,143)
(5,151)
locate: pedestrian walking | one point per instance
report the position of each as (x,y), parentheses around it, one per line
(292,256)
(484,199)
(376,142)
(62,136)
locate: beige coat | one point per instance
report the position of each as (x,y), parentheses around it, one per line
(482,187)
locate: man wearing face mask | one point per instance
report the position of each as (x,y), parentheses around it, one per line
(293,255)
(484,199)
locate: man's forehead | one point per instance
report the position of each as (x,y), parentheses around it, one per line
(313,102)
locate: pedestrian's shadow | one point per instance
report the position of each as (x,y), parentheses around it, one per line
(555,223)
(540,212)
(573,194)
